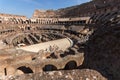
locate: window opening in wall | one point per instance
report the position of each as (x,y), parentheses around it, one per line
(5,71)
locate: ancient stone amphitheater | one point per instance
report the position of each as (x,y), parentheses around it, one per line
(75,43)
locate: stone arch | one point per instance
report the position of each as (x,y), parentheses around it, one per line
(28,21)
(28,27)
(11,20)
(49,67)
(15,21)
(70,65)
(19,69)
(37,21)
(19,20)
(24,70)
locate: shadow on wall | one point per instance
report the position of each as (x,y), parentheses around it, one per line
(102,52)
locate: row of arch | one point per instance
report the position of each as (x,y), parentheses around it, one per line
(26,69)
(47,21)
(104,18)
(12,20)
(42,21)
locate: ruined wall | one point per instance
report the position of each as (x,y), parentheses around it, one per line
(84,74)
(44,14)
(103,56)
(10,18)
(90,8)
(102,51)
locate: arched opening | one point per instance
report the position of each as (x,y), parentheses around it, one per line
(28,21)
(28,28)
(24,70)
(70,65)
(49,68)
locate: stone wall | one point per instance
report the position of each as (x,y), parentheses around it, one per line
(90,8)
(84,74)
(44,14)
(10,18)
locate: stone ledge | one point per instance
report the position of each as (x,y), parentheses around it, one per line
(84,74)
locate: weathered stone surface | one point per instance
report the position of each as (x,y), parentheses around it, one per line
(102,51)
(44,14)
(84,74)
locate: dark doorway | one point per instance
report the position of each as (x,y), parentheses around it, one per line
(25,69)
(49,68)
(70,65)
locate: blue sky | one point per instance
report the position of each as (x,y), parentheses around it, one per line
(27,7)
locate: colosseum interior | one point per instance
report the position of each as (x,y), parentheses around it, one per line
(80,42)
